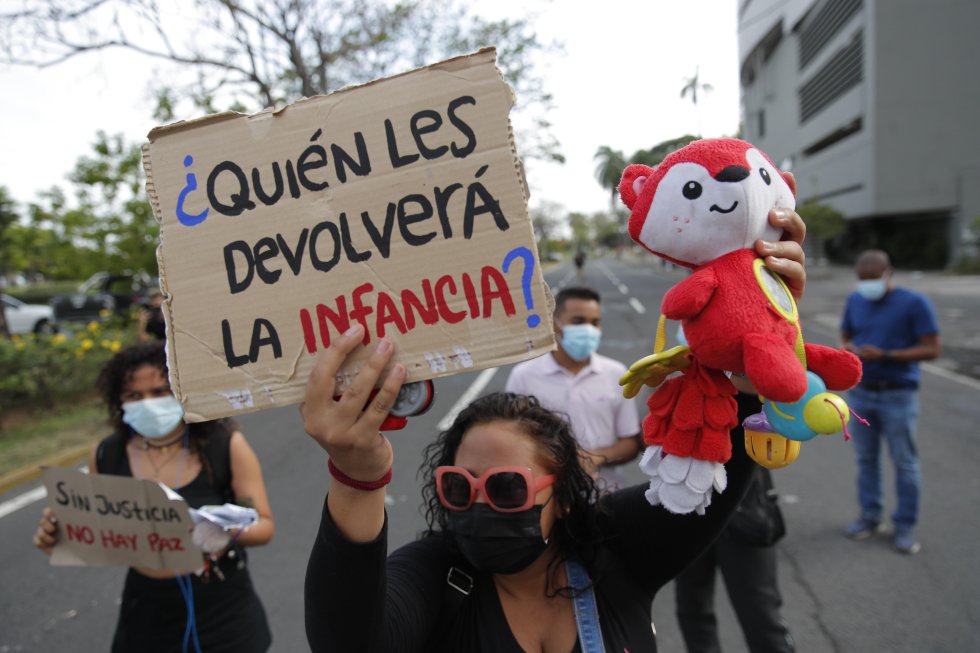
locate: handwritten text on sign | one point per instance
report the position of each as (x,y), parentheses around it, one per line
(118,520)
(398,205)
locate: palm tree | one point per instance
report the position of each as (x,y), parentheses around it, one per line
(659,152)
(692,85)
(608,172)
(611,163)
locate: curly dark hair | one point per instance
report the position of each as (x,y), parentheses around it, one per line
(576,533)
(119,370)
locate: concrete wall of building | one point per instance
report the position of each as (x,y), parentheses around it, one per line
(928,102)
(917,154)
(756,17)
(841,175)
(770,95)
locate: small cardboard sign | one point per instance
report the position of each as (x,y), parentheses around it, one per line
(400,205)
(119,520)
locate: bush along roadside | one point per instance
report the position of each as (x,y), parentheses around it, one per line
(43,371)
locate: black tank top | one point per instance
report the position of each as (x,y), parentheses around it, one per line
(205,489)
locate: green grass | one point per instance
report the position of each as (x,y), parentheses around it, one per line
(28,438)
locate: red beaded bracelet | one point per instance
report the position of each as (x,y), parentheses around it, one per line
(354,483)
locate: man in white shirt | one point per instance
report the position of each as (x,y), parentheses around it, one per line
(576,381)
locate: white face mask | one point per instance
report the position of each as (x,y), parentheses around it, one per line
(153,418)
(872,289)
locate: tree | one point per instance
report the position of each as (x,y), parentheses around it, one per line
(974,226)
(611,163)
(607,230)
(659,152)
(691,87)
(823,222)
(266,53)
(581,226)
(608,172)
(109,188)
(8,217)
(545,219)
(103,223)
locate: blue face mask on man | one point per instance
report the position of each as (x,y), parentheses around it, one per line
(579,341)
(872,289)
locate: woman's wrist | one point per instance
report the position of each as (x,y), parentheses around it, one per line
(356,484)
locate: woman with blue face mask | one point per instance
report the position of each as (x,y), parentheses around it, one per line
(207,463)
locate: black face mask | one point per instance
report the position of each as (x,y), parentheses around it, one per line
(497,542)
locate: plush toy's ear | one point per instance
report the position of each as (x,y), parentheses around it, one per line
(790,181)
(632,183)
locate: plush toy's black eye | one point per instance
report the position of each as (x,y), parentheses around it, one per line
(692,190)
(765,176)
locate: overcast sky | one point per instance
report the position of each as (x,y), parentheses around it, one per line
(618,83)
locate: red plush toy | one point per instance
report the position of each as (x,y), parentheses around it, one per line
(703,208)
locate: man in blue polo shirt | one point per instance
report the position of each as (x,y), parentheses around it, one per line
(891,329)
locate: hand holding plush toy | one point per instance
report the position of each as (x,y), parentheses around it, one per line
(703,208)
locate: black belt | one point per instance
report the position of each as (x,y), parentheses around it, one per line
(886,385)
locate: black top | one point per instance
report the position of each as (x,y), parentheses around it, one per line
(357,602)
(212,486)
(155,325)
(153,611)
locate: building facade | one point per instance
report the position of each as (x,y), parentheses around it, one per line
(874,105)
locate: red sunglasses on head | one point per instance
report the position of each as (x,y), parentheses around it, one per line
(506,489)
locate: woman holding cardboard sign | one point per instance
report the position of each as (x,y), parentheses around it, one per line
(521,553)
(207,463)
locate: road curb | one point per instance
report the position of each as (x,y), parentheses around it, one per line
(63,458)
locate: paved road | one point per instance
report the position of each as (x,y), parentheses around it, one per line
(840,595)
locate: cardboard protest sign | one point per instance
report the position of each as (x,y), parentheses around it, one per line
(400,204)
(119,520)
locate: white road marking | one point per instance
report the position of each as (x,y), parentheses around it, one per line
(637,306)
(22,501)
(26,499)
(620,286)
(968,381)
(564,282)
(471,392)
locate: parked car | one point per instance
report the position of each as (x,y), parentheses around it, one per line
(27,318)
(101,293)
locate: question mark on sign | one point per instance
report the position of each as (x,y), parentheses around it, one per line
(189,219)
(523,252)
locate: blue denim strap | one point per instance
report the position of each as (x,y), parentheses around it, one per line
(586,613)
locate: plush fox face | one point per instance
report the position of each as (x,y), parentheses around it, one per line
(705,200)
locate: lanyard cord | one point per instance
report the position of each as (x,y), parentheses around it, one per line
(586,612)
(183,581)
(191,630)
